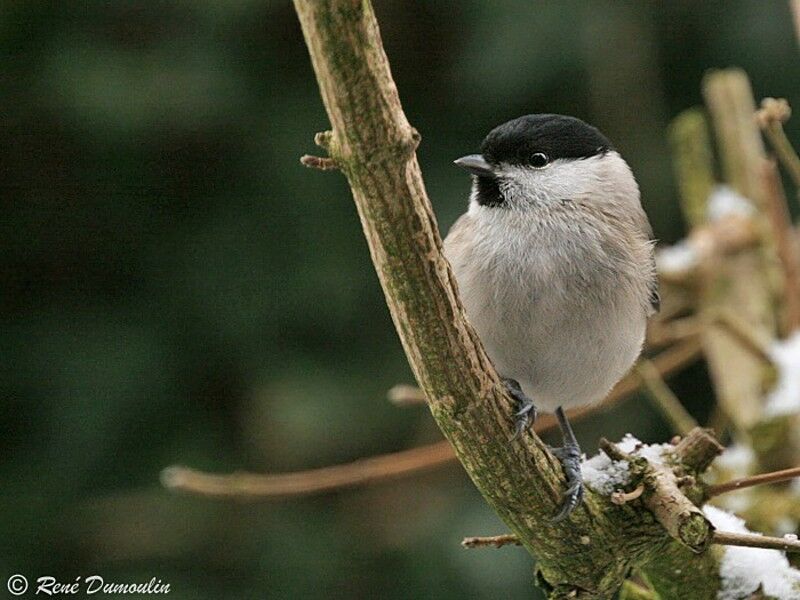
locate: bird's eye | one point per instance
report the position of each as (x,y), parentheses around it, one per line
(539,160)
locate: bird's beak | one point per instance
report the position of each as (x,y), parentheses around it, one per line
(475,164)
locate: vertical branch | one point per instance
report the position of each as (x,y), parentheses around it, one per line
(773,114)
(738,284)
(374,146)
(785,239)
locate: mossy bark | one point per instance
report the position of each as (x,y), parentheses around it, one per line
(587,556)
(679,574)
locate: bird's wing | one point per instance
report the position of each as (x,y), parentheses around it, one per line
(643,223)
(459,232)
(655,297)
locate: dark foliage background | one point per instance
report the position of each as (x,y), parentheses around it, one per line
(177,288)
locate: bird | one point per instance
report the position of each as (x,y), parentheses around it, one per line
(554,263)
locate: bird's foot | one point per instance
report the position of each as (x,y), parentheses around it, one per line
(526,409)
(569,455)
(570,459)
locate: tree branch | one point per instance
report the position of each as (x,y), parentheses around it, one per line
(785,240)
(405,395)
(252,486)
(694,163)
(747,338)
(771,117)
(739,285)
(795,6)
(374,146)
(723,538)
(746,482)
(322,163)
(753,540)
(494,541)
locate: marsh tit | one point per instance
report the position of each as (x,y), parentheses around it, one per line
(555,267)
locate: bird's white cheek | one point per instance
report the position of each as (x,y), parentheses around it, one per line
(539,186)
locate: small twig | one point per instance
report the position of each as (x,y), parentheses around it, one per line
(323,139)
(386,466)
(753,540)
(405,395)
(664,399)
(698,449)
(323,163)
(620,497)
(613,451)
(785,239)
(746,482)
(254,486)
(494,541)
(773,114)
(743,333)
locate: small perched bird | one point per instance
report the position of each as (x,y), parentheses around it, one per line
(554,263)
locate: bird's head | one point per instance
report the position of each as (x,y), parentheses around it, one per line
(542,159)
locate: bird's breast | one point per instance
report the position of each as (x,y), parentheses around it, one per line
(558,308)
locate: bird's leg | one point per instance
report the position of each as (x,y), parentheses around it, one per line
(570,457)
(526,409)
(569,454)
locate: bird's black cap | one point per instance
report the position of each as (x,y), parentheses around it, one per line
(557,136)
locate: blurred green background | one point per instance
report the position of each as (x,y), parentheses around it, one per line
(178,289)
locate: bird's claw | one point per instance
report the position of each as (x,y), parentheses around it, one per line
(524,418)
(526,412)
(569,455)
(570,458)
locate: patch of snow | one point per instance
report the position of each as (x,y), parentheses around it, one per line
(724,521)
(784,398)
(676,259)
(743,570)
(724,201)
(605,476)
